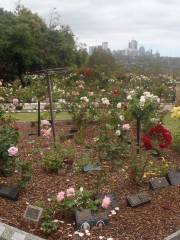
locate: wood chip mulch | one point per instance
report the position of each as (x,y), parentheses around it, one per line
(153,221)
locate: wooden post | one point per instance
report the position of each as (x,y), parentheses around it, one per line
(178,94)
(51,106)
(39,118)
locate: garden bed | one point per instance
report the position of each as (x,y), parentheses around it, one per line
(152,221)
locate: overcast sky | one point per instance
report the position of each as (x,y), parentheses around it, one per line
(153,23)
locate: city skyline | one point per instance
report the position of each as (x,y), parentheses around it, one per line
(133,49)
(153,23)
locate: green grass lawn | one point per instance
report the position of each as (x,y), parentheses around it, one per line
(172,123)
(28,117)
(174,127)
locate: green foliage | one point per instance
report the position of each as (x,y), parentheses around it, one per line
(176,141)
(84,160)
(28,44)
(8,137)
(53,161)
(56,158)
(48,226)
(102,59)
(83,199)
(26,172)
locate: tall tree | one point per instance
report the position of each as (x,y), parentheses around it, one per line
(102,59)
(27,43)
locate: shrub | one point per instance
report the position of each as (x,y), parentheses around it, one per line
(53,161)
(8,137)
(58,157)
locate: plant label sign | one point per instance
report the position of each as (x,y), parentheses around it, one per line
(158,183)
(174,236)
(139,199)
(174,178)
(11,193)
(91,168)
(86,219)
(33,213)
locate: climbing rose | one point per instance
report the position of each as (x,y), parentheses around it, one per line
(60,196)
(13,151)
(45,122)
(46,132)
(70,192)
(106,202)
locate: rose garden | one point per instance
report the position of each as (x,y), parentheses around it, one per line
(102,162)
(89,143)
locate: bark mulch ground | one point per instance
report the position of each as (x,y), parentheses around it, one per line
(152,221)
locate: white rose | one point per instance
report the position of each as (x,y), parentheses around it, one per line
(129,97)
(121,117)
(119,105)
(118,132)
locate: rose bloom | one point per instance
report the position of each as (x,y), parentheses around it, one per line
(81,86)
(46,132)
(60,196)
(45,122)
(106,202)
(88,72)
(13,151)
(70,192)
(15,101)
(126,127)
(116,92)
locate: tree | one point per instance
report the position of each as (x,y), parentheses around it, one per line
(28,44)
(103,59)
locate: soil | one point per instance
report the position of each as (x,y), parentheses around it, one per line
(153,221)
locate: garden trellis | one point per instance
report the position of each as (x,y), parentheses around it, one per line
(47,73)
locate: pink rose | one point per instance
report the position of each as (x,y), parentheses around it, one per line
(46,132)
(106,202)
(15,101)
(126,127)
(13,151)
(60,196)
(70,192)
(45,122)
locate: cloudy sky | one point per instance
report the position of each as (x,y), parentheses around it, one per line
(153,23)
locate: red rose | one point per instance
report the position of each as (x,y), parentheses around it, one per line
(147,142)
(116,92)
(162,134)
(88,72)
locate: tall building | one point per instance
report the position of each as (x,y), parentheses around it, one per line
(142,51)
(133,44)
(132,49)
(105,45)
(91,49)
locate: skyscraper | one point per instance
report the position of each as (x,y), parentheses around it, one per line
(142,51)
(105,45)
(134,44)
